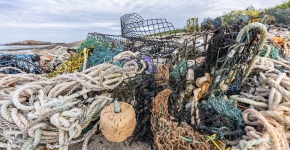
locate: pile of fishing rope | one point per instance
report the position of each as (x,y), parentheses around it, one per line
(227,89)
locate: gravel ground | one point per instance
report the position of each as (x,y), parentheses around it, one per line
(99,142)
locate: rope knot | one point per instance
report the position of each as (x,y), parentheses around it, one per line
(68,121)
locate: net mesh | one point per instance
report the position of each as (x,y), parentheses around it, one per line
(25,62)
(153,36)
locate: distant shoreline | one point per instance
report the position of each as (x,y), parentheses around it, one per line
(28,47)
(28,42)
(40,47)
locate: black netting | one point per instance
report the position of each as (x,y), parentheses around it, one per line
(153,36)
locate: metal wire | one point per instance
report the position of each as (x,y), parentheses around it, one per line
(153,36)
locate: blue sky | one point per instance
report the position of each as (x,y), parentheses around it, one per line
(71,20)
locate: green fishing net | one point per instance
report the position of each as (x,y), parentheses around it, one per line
(274,54)
(221,116)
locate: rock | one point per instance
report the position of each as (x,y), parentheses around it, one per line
(29,42)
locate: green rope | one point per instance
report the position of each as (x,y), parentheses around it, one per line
(4,113)
(190,140)
(179,70)
(274,54)
(101,50)
(91,42)
(27,145)
(103,54)
(33,142)
(226,108)
(94,111)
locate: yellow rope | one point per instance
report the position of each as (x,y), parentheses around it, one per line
(212,138)
(71,65)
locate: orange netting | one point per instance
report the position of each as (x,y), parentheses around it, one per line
(169,134)
(162,74)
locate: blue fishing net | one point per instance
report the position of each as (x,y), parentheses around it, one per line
(25,62)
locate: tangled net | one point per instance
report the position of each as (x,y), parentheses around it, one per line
(96,49)
(56,57)
(281,15)
(19,63)
(169,134)
(221,116)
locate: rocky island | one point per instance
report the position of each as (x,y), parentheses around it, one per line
(29,42)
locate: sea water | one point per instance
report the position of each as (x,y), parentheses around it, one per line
(19,48)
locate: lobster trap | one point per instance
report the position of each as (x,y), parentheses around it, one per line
(154,36)
(235,60)
(282,16)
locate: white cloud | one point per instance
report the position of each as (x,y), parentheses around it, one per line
(59,25)
(75,16)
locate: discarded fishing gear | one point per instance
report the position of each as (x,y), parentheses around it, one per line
(177,82)
(62,107)
(208,24)
(71,65)
(281,15)
(24,62)
(237,58)
(56,57)
(154,36)
(221,116)
(104,49)
(216,48)
(140,92)
(94,39)
(192,48)
(96,49)
(169,134)
(266,104)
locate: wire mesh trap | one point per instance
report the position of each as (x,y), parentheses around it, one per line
(153,36)
(237,58)
(281,15)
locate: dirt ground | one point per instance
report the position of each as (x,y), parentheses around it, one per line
(99,142)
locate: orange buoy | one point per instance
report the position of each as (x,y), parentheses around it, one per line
(118,125)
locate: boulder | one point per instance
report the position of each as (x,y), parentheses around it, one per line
(29,42)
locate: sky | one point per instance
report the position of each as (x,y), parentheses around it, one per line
(71,20)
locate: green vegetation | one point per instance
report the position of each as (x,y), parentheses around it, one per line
(284,5)
(168,32)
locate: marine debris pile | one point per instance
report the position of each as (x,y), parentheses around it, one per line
(222,88)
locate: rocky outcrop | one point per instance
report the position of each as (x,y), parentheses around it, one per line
(29,42)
